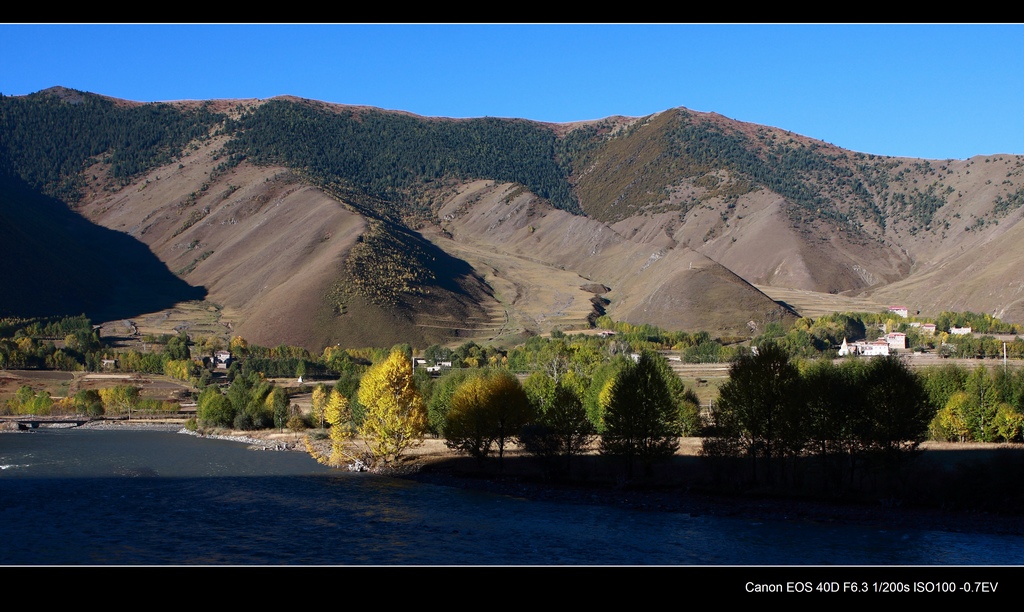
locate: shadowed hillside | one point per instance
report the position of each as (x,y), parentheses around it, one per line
(56,262)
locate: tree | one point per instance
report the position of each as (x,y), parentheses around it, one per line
(1009,423)
(277,404)
(685,399)
(396,416)
(510,407)
(469,426)
(950,423)
(897,408)
(319,402)
(120,399)
(984,401)
(338,414)
(835,416)
(759,412)
(563,430)
(486,410)
(214,409)
(441,399)
(641,422)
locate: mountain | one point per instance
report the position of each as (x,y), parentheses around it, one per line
(316,224)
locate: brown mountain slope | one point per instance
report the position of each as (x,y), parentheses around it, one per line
(763,245)
(935,233)
(651,279)
(272,251)
(687,211)
(983,272)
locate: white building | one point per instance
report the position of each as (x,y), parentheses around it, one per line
(863,347)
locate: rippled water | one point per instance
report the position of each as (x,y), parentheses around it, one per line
(115,497)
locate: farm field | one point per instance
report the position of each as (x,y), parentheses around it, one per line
(815,304)
(62,384)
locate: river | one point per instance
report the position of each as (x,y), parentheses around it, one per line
(95,497)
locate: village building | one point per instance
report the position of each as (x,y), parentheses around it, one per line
(863,347)
(900,310)
(222,359)
(896,340)
(960,331)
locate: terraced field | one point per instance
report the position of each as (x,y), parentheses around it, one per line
(815,304)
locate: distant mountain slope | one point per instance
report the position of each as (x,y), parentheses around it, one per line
(309,222)
(649,278)
(278,254)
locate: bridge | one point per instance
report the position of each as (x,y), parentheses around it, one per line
(25,423)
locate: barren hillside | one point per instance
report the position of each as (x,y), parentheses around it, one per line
(313,224)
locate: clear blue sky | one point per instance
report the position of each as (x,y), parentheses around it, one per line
(932,91)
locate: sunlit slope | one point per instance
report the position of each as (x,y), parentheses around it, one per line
(649,278)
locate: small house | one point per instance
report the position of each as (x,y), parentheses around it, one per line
(896,340)
(899,310)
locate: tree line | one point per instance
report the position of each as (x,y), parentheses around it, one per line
(645,408)
(48,139)
(835,426)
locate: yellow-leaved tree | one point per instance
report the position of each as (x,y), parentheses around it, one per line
(319,402)
(338,414)
(396,416)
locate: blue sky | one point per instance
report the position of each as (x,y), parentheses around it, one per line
(933,91)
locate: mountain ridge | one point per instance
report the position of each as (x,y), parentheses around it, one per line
(268,206)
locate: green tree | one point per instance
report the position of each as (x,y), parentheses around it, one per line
(641,422)
(898,410)
(562,431)
(984,401)
(214,409)
(277,404)
(759,412)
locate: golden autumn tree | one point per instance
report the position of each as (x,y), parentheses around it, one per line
(396,416)
(319,402)
(339,415)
